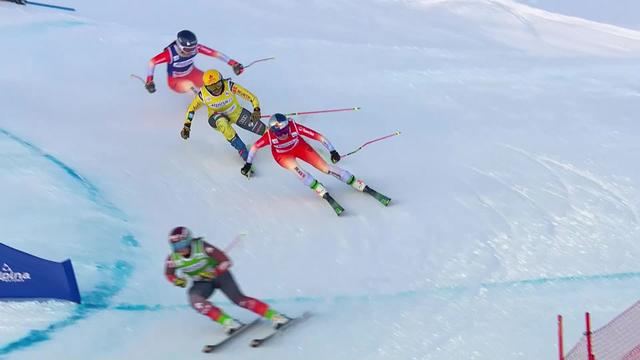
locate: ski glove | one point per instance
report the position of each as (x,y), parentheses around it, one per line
(150,86)
(181,282)
(256,114)
(237,67)
(217,271)
(185,132)
(246,169)
(335,157)
(207,275)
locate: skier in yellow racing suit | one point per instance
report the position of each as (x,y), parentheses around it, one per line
(219,96)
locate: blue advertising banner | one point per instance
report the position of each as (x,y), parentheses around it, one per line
(24,276)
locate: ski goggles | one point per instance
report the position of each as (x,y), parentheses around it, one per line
(181,244)
(279,124)
(281,131)
(216,87)
(186,49)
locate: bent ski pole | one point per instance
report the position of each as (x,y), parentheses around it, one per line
(137,77)
(316,112)
(259,60)
(371,141)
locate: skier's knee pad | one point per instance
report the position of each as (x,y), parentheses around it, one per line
(222,124)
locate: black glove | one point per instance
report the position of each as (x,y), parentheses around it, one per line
(237,68)
(335,157)
(256,114)
(246,170)
(150,86)
(185,132)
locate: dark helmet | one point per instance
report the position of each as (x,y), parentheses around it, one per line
(279,124)
(180,238)
(186,41)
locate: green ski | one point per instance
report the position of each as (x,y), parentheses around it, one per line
(334,204)
(381,198)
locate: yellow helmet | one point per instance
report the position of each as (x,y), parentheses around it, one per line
(211,77)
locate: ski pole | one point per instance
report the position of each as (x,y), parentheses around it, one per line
(371,141)
(50,6)
(193,89)
(137,77)
(235,242)
(144,82)
(259,60)
(316,112)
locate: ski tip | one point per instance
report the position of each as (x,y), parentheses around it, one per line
(255,343)
(208,348)
(307,314)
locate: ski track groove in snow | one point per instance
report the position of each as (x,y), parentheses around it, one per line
(543,212)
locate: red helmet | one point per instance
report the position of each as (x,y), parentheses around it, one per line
(180,238)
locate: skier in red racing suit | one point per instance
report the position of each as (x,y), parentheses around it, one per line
(182,75)
(287,145)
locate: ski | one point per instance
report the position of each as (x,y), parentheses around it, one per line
(211,347)
(334,204)
(259,341)
(245,122)
(381,198)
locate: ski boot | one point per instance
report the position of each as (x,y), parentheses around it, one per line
(362,187)
(279,320)
(231,325)
(322,192)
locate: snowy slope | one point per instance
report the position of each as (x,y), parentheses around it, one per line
(514,181)
(621,12)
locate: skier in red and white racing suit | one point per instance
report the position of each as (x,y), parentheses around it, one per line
(287,145)
(182,74)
